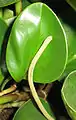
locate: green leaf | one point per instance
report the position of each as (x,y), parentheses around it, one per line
(71,36)
(72,3)
(25,3)
(29,112)
(3,29)
(71,65)
(4,3)
(10,20)
(29,31)
(69,94)
(9,15)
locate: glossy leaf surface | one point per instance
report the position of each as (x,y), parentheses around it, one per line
(69,94)
(4,3)
(29,31)
(72,3)
(29,112)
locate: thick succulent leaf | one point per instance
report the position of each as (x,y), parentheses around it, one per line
(3,28)
(4,3)
(29,31)
(25,3)
(71,36)
(71,40)
(69,94)
(29,112)
(72,3)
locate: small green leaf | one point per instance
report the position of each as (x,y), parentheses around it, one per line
(69,94)
(29,31)
(29,112)
(72,3)
(4,3)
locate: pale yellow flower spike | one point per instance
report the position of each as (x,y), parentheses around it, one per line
(30,77)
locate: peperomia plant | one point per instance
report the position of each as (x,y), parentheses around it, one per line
(38,50)
(28,34)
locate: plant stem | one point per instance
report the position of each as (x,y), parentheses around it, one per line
(47,89)
(18,7)
(8,98)
(1,77)
(9,90)
(22,96)
(30,77)
(10,105)
(4,83)
(43,90)
(15,96)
